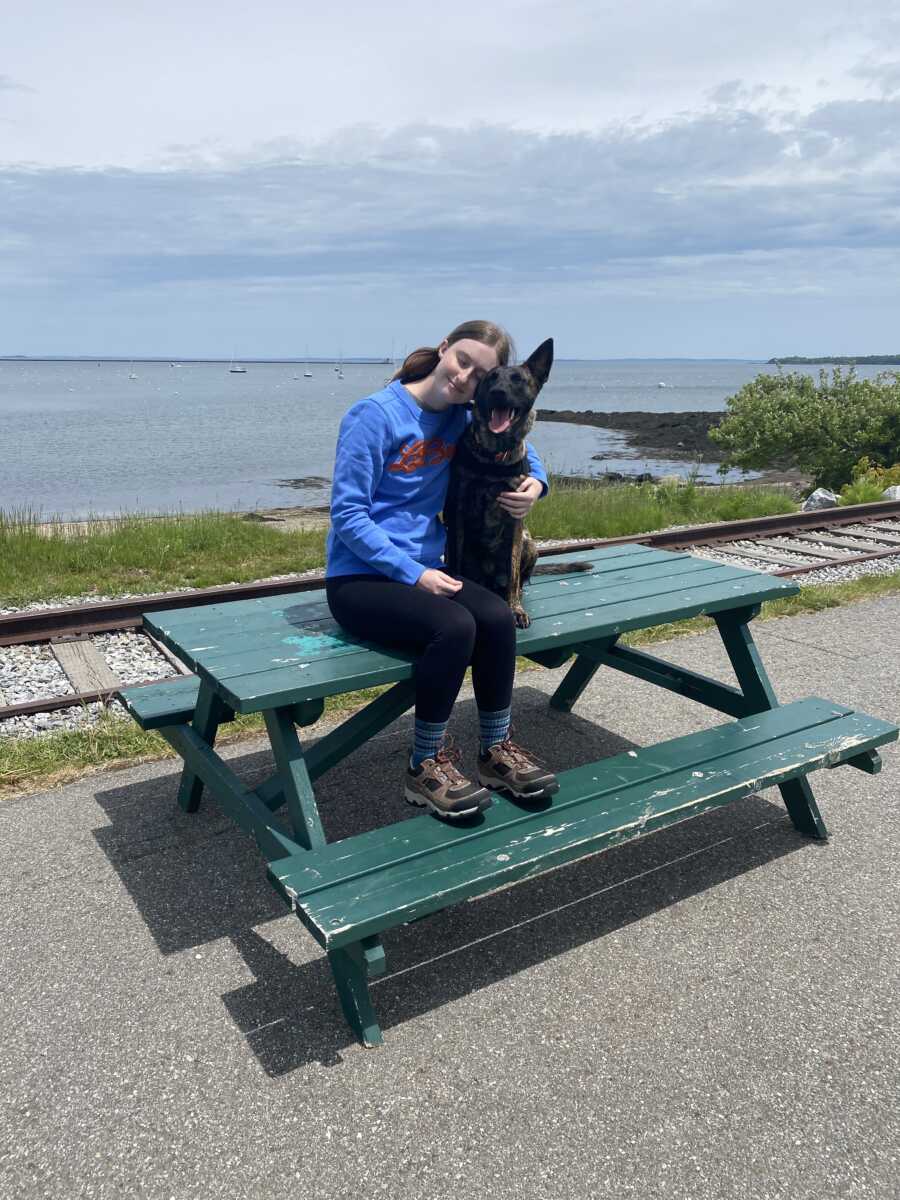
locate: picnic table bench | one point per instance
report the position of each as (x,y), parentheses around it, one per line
(283,655)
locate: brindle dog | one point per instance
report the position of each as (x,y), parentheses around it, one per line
(484,543)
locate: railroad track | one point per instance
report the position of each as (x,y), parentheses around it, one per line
(788,545)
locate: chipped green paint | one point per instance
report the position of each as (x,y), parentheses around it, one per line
(315,643)
(282,661)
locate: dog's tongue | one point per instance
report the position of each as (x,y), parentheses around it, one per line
(501,419)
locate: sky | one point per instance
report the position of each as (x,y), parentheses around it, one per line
(709,179)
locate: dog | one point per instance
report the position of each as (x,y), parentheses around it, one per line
(484,543)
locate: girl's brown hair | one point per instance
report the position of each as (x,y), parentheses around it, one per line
(422,362)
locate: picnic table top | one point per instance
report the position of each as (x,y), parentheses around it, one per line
(287,649)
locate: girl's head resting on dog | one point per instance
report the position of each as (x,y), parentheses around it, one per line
(438,376)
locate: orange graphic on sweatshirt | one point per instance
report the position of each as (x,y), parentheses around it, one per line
(430,452)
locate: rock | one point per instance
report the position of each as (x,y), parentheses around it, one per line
(891,493)
(307,481)
(820,498)
(621,477)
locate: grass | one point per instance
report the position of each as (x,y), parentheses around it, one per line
(144,554)
(138,554)
(32,764)
(52,759)
(575,509)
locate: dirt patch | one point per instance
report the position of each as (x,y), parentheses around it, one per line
(292,519)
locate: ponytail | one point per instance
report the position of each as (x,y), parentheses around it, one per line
(417,365)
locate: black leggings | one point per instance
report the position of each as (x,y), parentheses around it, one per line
(449,633)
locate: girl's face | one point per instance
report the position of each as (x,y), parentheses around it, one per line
(462,367)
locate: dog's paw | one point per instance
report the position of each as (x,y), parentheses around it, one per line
(522,618)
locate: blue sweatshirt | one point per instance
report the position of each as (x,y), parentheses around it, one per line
(391,471)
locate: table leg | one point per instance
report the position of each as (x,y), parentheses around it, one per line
(352,967)
(297,788)
(757,688)
(210,713)
(578,676)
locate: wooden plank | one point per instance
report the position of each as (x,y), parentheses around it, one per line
(597,594)
(805,551)
(220,627)
(583,822)
(756,555)
(359,728)
(292,684)
(877,533)
(276,648)
(84,666)
(238,802)
(214,646)
(226,624)
(181,618)
(858,544)
(589,597)
(169,702)
(409,840)
(700,688)
(190,629)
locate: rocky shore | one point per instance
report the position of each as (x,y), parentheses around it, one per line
(676,435)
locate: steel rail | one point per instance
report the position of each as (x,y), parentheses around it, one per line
(44,625)
(105,616)
(30,708)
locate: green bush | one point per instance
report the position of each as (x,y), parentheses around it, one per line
(869,481)
(822,428)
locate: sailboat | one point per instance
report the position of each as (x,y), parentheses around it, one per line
(131,374)
(307,374)
(236,368)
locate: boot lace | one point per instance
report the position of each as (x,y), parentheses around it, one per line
(445,764)
(519,755)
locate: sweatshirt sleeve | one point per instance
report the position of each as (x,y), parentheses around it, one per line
(363,445)
(536,468)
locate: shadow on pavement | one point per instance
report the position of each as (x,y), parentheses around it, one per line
(197,878)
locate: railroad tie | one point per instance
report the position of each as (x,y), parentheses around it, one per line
(84,666)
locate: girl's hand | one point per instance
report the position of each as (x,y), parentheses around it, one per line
(519,502)
(439,584)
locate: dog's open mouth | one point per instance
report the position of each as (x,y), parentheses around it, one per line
(501,419)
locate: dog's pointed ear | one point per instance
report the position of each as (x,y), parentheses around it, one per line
(541,361)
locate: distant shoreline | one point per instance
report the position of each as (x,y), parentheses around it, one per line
(175,361)
(862,360)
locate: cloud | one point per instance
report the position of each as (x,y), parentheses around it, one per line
(8,84)
(725,204)
(885,75)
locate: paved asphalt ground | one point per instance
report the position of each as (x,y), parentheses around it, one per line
(707,1012)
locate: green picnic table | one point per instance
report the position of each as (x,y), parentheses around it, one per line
(282,656)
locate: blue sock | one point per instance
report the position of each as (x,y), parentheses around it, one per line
(494,727)
(427,740)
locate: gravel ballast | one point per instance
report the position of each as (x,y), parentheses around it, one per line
(32,672)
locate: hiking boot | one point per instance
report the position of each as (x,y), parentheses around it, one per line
(438,785)
(508,768)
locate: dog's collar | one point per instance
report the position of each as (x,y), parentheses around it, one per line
(497,464)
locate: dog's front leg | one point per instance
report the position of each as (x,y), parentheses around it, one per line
(515,577)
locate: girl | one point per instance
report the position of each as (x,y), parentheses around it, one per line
(385,580)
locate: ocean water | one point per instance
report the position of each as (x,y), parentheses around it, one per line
(81,438)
